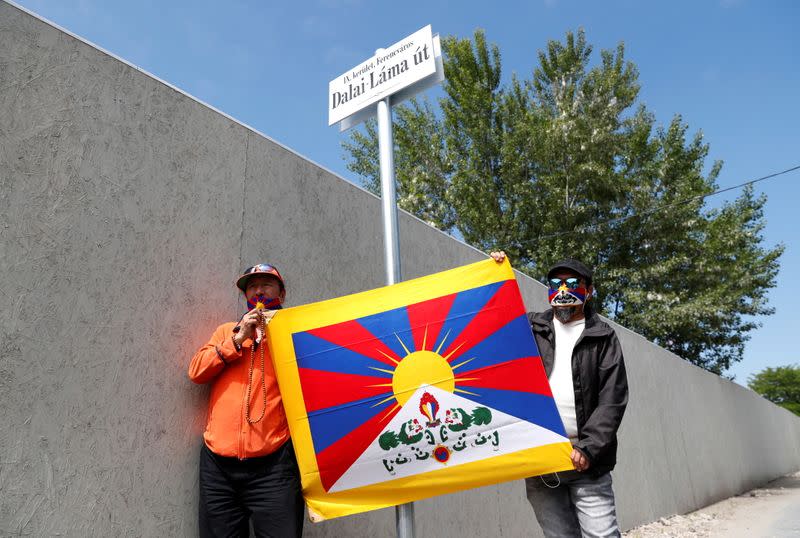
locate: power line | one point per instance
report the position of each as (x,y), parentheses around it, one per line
(672,204)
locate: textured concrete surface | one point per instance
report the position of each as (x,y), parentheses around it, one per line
(126,210)
(768,512)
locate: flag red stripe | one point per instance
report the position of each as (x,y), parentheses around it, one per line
(505,305)
(323,389)
(431,315)
(355,337)
(334,461)
(523,375)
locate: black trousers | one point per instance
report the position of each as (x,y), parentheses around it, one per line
(265,489)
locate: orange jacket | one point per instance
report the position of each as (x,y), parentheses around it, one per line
(227,432)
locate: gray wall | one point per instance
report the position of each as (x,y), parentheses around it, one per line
(126,210)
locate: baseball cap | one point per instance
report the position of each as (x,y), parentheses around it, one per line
(258,269)
(573,265)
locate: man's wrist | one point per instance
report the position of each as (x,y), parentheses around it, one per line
(236,342)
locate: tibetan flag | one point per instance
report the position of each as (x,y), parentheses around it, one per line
(423,388)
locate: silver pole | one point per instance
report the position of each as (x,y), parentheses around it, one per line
(404,519)
(404,513)
(391,242)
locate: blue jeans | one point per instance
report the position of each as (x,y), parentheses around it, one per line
(571,504)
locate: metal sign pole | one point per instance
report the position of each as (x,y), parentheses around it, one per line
(391,241)
(404,513)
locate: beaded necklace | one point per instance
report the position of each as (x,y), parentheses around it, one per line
(250,376)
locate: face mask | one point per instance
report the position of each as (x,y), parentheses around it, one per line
(566,292)
(268,304)
(565,313)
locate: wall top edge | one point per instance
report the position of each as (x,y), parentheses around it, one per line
(311,161)
(223,114)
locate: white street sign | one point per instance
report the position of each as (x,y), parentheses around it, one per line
(394,68)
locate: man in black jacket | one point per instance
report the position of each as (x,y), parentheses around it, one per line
(583,360)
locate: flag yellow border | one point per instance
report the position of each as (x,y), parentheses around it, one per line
(323,505)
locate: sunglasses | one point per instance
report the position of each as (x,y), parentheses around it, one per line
(572,283)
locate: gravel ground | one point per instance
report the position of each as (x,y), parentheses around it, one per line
(771,511)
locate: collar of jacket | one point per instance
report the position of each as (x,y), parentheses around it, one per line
(543,321)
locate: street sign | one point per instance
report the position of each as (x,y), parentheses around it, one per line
(407,62)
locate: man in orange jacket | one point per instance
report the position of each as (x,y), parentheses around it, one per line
(247,464)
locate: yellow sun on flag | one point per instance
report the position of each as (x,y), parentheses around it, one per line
(423,367)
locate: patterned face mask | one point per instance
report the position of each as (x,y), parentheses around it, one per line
(268,304)
(566,292)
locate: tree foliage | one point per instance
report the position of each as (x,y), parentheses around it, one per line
(779,385)
(568,163)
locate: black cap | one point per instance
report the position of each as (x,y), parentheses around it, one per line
(573,265)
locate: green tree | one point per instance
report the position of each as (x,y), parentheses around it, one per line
(779,385)
(567,163)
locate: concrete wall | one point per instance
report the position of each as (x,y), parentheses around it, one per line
(127,209)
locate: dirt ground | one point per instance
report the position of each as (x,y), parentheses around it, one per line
(771,511)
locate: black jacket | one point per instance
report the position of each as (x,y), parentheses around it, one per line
(601,386)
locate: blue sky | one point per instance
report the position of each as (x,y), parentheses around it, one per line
(730,67)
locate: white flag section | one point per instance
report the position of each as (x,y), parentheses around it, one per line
(437,429)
